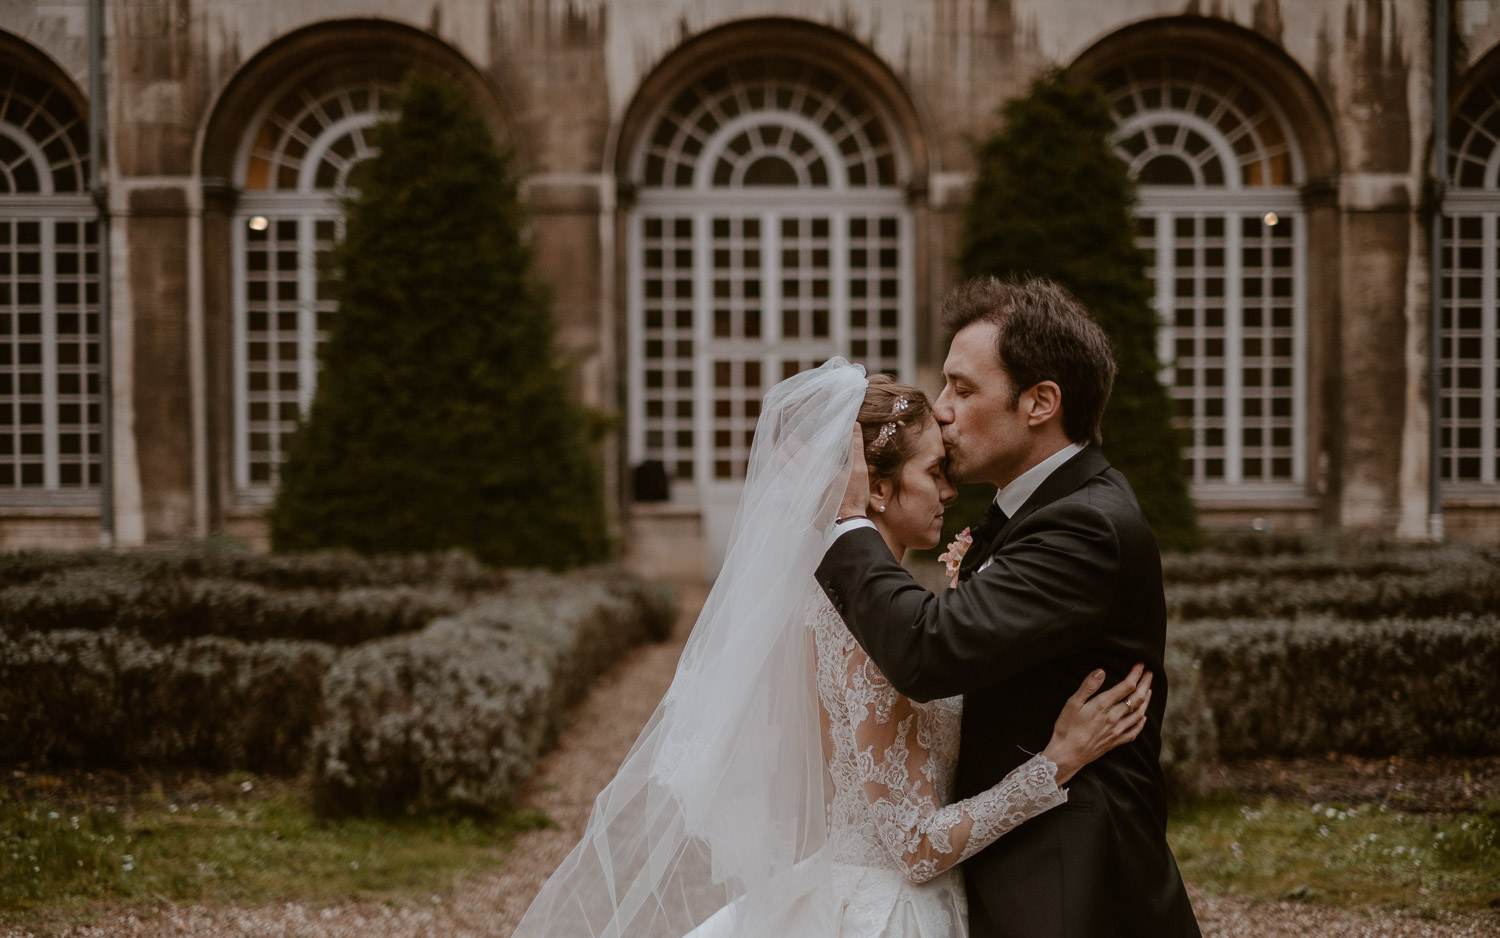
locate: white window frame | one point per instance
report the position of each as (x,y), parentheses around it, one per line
(1471,134)
(1460,205)
(701,202)
(46,207)
(307,205)
(1164,207)
(1233,201)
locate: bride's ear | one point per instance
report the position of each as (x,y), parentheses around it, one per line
(881,491)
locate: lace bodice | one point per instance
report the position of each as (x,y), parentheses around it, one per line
(891,760)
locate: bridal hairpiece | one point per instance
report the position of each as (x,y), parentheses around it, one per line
(889,430)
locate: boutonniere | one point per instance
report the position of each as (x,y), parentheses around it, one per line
(955,555)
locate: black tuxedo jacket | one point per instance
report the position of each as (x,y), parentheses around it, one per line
(1075,585)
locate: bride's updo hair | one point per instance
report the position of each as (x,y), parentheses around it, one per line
(892,419)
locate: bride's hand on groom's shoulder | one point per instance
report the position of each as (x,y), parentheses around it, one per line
(1092,724)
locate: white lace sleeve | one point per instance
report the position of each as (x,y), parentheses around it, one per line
(895,765)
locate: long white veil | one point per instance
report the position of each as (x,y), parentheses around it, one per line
(713,825)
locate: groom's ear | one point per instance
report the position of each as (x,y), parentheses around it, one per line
(1044,403)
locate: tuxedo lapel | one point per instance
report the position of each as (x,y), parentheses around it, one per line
(1067,478)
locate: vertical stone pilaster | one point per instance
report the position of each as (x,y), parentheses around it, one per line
(155,226)
(219,201)
(1326,256)
(1378,212)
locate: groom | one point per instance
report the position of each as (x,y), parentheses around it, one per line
(1063,577)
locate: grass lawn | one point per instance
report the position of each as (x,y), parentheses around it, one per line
(228,839)
(72,845)
(1340,854)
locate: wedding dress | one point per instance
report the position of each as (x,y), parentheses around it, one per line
(782,788)
(893,835)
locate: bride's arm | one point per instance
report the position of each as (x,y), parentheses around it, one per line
(895,764)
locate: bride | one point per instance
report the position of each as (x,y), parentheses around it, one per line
(783,787)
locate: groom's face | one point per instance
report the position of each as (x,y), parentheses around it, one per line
(986,437)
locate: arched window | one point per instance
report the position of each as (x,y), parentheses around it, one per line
(49,322)
(1220,217)
(769,233)
(1470,350)
(294,165)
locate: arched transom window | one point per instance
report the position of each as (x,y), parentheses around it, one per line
(768,234)
(49,323)
(1470,349)
(294,165)
(1220,217)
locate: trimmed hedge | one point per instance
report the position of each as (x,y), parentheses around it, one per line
(1189,736)
(1310,686)
(1451,591)
(110,698)
(104,662)
(1293,578)
(327,570)
(456,716)
(172,595)
(1217,566)
(171,609)
(1303,645)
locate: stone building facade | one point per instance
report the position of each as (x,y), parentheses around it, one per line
(724,192)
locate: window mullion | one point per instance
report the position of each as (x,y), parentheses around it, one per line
(1167,240)
(1234,385)
(1166,330)
(1299,349)
(703,397)
(772,348)
(1203,421)
(635,349)
(1487,357)
(838,272)
(907,300)
(240,342)
(307,316)
(50,441)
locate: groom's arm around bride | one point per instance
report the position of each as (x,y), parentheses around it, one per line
(1070,582)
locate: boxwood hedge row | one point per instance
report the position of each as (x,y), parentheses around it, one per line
(1189,736)
(456,715)
(141,685)
(1457,590)
(432,682)
(1372,560)
(1295,645)
(329,570)
(172,609)
(109,698)
(1324,684)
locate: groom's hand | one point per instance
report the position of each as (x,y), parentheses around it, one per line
(856,502)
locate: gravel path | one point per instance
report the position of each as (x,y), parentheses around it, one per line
(600,734)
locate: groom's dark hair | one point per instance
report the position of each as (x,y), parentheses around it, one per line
(1045,334)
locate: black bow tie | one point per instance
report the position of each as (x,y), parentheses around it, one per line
(984,536)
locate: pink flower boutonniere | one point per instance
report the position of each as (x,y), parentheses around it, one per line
(955,555)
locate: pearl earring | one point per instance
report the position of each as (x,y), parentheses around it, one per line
(880,508)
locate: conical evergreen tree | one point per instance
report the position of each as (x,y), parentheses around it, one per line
(1051,200)
(442,418)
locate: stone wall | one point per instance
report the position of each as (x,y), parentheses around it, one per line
(568,82)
